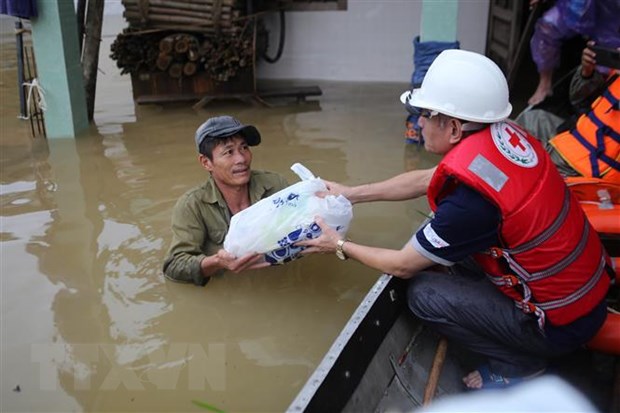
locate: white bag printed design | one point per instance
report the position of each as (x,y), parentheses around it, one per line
(273,224)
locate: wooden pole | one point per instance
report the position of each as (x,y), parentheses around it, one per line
(90,56)
(172,19)
(204,13)
(523,45)
(433,377)
(80,12)
(178,4)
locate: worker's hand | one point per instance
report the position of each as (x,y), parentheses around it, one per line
(231,263)
(326,243)
(334,188)
(588,60)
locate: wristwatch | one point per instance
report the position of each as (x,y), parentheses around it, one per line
(339,251)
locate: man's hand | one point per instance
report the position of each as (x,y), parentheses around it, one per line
(588,60)
(226,260)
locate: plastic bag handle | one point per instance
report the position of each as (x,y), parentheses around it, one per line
(303,172)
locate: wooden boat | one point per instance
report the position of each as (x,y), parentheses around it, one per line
(385,360)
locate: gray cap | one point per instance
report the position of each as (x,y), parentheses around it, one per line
(224,127)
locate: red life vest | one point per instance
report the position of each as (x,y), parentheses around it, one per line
(592,148)
(550,261)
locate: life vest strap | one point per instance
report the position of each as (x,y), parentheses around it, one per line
(579,293)
(614,102)
(548,233)
(568,260)
(522,275)
(602,130)
(507,280)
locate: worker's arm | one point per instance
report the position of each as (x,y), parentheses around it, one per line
(465,223)
(407,185)
(403,263)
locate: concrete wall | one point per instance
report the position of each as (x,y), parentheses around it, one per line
(371,41)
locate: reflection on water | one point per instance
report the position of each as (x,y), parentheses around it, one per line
(88,322)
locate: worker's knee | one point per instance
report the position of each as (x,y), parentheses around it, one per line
(426,296)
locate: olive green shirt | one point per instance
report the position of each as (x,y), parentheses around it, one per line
(200,221)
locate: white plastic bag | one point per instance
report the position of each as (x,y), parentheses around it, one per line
(273,224)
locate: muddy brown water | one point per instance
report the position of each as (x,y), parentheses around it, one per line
(88,321)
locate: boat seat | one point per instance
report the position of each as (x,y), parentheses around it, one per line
(600,201)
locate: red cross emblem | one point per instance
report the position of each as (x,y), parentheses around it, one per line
(513,143)
(515,139)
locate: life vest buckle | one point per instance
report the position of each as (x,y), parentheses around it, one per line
(496,252)
(510,280)
(528,307)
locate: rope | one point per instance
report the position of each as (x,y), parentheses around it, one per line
(40,102)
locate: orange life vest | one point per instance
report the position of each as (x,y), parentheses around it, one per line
(550,261)
(592,147)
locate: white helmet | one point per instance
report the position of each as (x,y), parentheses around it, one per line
(464,85)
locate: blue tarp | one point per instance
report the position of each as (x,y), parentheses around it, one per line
(24,9)
(423,55)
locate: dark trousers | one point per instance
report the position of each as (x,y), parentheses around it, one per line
(467,308)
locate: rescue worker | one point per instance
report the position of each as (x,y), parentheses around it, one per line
(537,283)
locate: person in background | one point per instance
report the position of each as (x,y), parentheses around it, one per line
(572,143)
(508,266)
(593,19)
(201,217)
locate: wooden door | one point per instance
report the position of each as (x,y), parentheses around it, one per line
(504,32)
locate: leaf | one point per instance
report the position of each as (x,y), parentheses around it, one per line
(425,215)
(207,406)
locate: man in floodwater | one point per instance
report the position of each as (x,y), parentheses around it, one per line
(537,283)
(201,217)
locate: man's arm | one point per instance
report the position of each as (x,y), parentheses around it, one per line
(587,83)
(408,185)
(186,260)
(185,257)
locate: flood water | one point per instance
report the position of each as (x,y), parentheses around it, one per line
(88,321)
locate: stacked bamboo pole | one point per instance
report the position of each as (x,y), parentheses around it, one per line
(197,16)
(184,54)
(185,37)
(135,54)
(178,55)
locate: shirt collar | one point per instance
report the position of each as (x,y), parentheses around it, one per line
(258,188)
